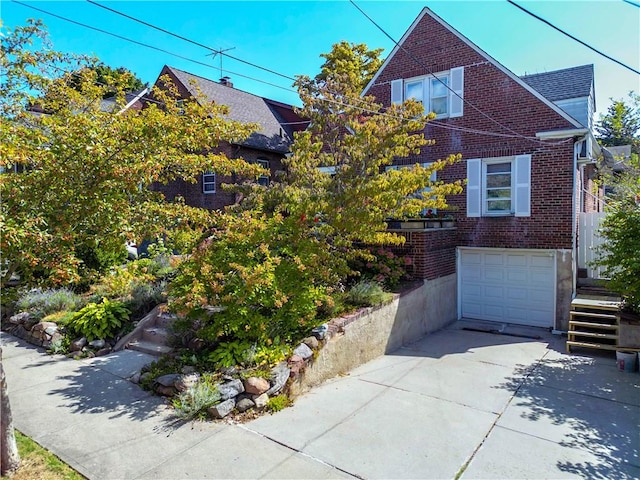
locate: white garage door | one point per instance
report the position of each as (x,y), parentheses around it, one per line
(507,285)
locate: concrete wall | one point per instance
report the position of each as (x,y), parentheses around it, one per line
(564,288)
(425,309)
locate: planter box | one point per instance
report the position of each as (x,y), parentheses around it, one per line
(413,225)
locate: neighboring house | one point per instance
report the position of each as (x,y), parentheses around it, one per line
(267,146)
(512,257)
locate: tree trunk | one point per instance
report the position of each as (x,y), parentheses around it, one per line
(9,457)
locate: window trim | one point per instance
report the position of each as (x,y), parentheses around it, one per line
(426,81)
(206,182)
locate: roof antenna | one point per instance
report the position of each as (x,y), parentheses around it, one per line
(220,52)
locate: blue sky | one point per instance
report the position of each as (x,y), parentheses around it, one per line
(289,36)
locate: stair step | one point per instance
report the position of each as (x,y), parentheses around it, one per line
(165,319)
(608,316)
(603,326)
(149,347)
(603,336)
(157,335)
(600,346)
(608,305)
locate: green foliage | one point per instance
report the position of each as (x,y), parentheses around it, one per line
(83,191)
(383,266)
(355,61)
(99,320)
(40,303)
(145,296)
(367,293)
(277,403)
(59,346)
(194,402)
(230,354)
(621,124)
(96,260)
(60,318)
(266,272)
(270,355)
(115,79)
(621,230)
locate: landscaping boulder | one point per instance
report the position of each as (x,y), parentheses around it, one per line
(311,342)
(244,405)
(97,344)
(19,318)
(77,344)
(303,351)
(222,409)
(168,380)
(320,332)
(261,400)
(256,385)
(185,382)
(279,376)
(103,351)
(230,389)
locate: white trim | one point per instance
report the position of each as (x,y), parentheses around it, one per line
(208,174)
(573,132)
(505,70)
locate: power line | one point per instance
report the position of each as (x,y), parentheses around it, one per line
(537,17)
(177,55)
(429,72)
(631,3)
(213,50)
(336,102)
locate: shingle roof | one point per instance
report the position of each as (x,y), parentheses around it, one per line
(246,108)
(562,84)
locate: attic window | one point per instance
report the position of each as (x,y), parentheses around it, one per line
(441,93)
(263,179)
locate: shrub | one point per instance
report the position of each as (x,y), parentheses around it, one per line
(121,281)
(277,403)
(98,320)
(194,402)
(40,303)
(60,318)
(383,266)
(366,293)
(145,296)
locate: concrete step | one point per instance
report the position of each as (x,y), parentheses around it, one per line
(165,319)
(151,348)
(157,335)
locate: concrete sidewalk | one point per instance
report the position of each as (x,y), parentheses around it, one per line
(486,405)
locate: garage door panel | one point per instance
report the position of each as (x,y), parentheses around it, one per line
(507,286)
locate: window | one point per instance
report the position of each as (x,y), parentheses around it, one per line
(209,182)
(263,179)
(499,186)
(441,93)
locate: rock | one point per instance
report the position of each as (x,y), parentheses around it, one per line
(38,330)
(168,380)
(30,322)
(97,344)
(311,342)
(256,385)
(303,351)
(75,354)
(188,369)
(261,401)
(135,378)
(222,409)
(19,318)
(230,389)
(196,344)
(145,376)
(50,331)
(297,363)
(103,351)
(185,382)
(295,359)
(88,353)
(279,376)
(78,344)
(320,332)
(20,332)
(167,391)
(245,404)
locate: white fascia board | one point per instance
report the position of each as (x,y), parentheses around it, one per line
(572,132)
(469,43)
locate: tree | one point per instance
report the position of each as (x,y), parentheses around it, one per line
(621,124)
(9,456)
(121,77)
(355,61)
(84,171)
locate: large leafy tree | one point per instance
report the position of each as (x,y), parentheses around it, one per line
(83,171)
(621,124)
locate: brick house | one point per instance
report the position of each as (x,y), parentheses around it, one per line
(524,143)
(268,146)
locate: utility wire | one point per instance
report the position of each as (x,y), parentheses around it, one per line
(135,19)
(429,72)
(631,3)
(537,17)
(336,102)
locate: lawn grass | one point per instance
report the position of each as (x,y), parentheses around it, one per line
(38,463)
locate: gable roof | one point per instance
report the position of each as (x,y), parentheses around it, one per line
(574,82)
(245,107)
(505,70)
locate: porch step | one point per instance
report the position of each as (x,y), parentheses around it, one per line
(600,346)
(151,348)
(602,316)
(598,335)
(165,319)
(603,326)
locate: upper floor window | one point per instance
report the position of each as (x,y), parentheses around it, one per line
(263,179)
(441,93)
(208,182)
(499,186)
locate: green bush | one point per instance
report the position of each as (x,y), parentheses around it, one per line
(194,402)
(145,296)
(40,303)
(60,318)
(277,403)
(383,266)
(366,293)
(99,320)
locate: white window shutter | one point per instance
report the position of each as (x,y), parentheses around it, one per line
(522,184)
(396,91)
(474,187)
(456,105)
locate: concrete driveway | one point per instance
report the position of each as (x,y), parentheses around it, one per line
(457,403)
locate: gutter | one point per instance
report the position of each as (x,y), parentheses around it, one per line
(572,132)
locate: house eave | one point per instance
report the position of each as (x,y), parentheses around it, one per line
(566,133)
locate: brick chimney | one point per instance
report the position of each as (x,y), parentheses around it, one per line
(226,81)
